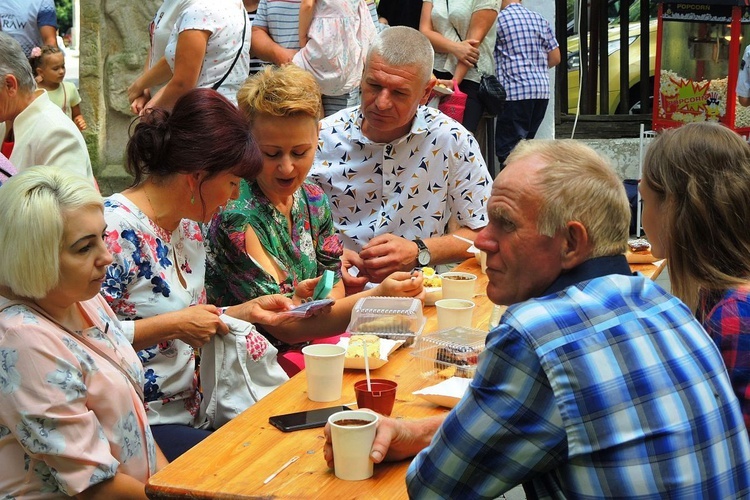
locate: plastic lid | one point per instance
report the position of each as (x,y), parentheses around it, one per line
(388,305)
(458,336)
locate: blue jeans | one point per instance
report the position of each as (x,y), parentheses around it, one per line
(176,439)
(519,120)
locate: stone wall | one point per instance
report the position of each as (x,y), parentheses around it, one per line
(113,47)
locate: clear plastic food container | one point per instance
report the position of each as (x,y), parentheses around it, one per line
(395,318)
(450,353)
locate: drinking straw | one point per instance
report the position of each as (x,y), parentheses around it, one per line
(467,240)
(367,365)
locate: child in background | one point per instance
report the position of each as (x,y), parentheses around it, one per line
(334,37)
(48,65)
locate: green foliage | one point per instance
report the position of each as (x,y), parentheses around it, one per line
(64,10)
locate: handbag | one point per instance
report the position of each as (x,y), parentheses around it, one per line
(491,94)
(454,105)
(237,369)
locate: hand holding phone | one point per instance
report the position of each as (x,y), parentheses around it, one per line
(324,286)
(308,308)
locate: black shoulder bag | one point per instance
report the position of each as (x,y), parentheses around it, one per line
(491,92)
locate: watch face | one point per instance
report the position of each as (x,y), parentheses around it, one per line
(423,257)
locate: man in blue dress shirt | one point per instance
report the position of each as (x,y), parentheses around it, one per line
(596,383)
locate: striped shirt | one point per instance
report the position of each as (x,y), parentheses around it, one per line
(255,63)
(524,38)
(605,388)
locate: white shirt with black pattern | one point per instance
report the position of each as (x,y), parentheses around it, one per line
(409,187)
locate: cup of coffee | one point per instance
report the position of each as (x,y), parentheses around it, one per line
(352,435)
(459,285)
(454,312)
(379,398)
(324,368)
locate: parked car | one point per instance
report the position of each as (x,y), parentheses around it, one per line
(614,51)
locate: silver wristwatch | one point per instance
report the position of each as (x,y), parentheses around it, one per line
(423,253)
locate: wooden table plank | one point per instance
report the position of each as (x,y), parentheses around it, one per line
(234,461)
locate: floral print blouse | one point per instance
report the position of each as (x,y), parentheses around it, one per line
(69,418)
(144,281)
(312,246)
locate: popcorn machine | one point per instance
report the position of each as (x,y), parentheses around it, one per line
(699,50)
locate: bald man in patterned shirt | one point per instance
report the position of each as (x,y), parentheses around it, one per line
(401,178)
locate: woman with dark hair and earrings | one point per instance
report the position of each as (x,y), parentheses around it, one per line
(187,164)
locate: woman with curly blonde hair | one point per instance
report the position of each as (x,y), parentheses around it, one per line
(278,237)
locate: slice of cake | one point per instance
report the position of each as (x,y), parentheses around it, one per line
(355,349)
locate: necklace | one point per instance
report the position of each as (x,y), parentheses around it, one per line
(151,205)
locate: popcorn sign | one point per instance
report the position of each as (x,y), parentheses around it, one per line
(684,100)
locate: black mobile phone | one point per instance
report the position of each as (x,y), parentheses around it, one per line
(305,419)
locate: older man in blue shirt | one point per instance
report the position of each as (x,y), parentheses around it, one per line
(596,383)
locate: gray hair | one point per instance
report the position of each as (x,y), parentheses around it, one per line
(13,62)
(578,184)
(404,46)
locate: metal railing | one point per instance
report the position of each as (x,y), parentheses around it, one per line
(603,32)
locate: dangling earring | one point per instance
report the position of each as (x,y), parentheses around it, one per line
(192,199)
(38,78)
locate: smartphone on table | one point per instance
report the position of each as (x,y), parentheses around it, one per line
(305,419)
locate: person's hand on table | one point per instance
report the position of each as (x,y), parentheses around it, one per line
(199,323)
(395,439)
(386,254)
(402,284)
(353,284)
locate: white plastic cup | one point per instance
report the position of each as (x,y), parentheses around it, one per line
(459,285)
(483,261)
(324,368)
(454,312)
(352,444)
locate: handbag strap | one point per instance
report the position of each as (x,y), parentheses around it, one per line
(65,98)
(239,52)
(138,388)
(448,11)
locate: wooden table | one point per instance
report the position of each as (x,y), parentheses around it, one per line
(650,270)
(234,460)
